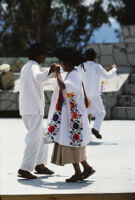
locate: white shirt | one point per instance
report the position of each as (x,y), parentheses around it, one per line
(31,96)
(69,128)
(92,77)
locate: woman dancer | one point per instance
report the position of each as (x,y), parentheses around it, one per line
(68,121)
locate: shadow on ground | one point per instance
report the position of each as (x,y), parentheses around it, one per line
(41,182)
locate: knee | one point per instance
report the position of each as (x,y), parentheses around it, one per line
(103,113)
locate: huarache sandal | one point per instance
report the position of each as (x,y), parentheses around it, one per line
(74,178)
(96,133)
(25,174)
(43,170)
(87,173)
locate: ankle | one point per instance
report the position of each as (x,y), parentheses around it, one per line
(41,166)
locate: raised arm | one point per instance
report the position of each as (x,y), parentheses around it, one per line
(109,73)
(59,78)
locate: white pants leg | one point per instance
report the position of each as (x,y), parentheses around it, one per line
(97,110)
(35,150)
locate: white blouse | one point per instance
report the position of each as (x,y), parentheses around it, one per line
(69,126)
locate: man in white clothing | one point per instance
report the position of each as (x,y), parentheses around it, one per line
(31,107)
(91,75)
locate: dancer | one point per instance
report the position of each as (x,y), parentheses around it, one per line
(31,107)
(68,122)
(91,75)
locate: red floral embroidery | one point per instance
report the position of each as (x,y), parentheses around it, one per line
(75,136)
(76,125)
(71,143)
(57,107)
(72,104)
(75,115)
(51,129)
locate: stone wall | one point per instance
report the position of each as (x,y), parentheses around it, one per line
(18,62)
(128,34)
(122,54)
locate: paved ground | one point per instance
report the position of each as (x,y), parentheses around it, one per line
(112,157)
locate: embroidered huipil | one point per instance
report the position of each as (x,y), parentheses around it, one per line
(69,125)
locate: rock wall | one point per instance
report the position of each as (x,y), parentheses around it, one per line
(118,93)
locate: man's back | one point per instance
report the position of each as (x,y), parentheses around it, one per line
(92,76)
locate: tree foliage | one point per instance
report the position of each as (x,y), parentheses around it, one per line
(54,22)
(123,11)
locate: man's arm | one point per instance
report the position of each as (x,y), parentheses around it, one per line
(109,73)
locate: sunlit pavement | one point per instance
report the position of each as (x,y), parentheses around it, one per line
(113,158)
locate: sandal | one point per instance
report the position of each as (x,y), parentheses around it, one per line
(74,178)
(25,174)
(96,133)
(43,170)
(87,173)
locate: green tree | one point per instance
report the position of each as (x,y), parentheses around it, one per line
(123,11)
(54,22)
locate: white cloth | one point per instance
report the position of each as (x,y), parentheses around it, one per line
(92,82)
(97,109)
(31,95)
(36,151)
(65,133)
(92,77)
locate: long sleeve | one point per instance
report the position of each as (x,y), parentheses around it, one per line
(105,74)
(38,75)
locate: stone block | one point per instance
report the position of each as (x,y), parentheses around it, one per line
(125,31)
(106,60)
(6,105)
(130,113)
(130,89)
(108,113)
(126,100)
(106,49)
(132,78)
(110,99)
(120,57)
(130,47)
(125,69)
(119,113)
(130,39)
(4,95)
(132,30)
(131,58)
(119,46)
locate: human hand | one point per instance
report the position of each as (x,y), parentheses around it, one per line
(53,67)
(57,68)
(114,66)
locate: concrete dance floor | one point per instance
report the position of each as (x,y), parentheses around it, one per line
(113,158)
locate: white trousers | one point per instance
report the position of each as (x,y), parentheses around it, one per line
(97,110)
(36,152)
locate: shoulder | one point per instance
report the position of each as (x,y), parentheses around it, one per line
(74,73)
(73,76)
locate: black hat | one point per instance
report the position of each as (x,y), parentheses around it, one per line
(69,55)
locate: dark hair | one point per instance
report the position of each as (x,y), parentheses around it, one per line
(36,50)
(90,54)
(69,55)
